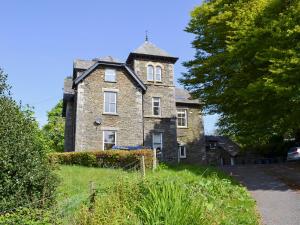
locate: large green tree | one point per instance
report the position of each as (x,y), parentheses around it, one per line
(55,128)
(26,177)
(247,66)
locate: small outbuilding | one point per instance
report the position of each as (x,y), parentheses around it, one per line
(221,150)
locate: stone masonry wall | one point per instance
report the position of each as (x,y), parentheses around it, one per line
(166,122)
(193,136)
(127,123)
(69,127)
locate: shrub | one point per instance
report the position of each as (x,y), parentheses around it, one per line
(108,158)
(29,216)
(26,176)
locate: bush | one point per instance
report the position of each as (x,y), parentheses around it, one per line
(108,158)
(28,216)
(26,176)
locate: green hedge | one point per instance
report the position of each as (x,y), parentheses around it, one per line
(107,158)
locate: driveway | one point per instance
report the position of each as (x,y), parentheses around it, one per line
(275,189)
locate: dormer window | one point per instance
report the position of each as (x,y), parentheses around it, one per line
(150,73)
(158,73)
(110,75)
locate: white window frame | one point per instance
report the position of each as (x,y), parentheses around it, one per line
(161,140)
(110,103)
(179,149)
(159,106)
(110,73)
(160,71)
(185,118)
(148,74)
(103,136)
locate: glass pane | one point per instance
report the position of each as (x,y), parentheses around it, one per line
(182,152)
(158,73)
(109,137)
(112,108)
(106,109)
(155,103)
(150,72)
(108,146)
(156,111)
(157,138)
(112,97)
(110,75)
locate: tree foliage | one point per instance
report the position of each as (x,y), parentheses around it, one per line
(55,128)
(247,66)
(26,177)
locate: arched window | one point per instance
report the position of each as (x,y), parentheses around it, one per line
(158,73)
(150,73)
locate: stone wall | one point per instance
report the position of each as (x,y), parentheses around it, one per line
(128,122)
(192,136)
(69,127)
(166,122)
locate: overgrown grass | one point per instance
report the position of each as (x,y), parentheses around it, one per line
(171,195)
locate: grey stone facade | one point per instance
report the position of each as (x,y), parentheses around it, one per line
(134,122)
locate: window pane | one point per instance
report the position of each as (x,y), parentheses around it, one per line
(181,118)
(110,102)
(182,152)
(157,140)
(109,137)
(158,73)
(110,75)
(112,108)
(156,106)
(150,71)
(108,146)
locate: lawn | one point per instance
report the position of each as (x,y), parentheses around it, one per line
(170,195)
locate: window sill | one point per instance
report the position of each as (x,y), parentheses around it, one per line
(106,81)
(182,127)
(110,114)
(183,157)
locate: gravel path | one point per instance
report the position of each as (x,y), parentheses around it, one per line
(276,202)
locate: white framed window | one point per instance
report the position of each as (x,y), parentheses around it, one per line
(109,139)
(158,73)
(110,102)
(150,73)
(182,151)
(182,118)
(110,75)
(156,106)
(157,141)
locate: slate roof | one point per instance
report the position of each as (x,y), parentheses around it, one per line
(149,48)
(225,143)
(150,51)
(183,96)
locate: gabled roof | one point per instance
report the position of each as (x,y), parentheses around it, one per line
(112,64)
(184,97)
(224,143)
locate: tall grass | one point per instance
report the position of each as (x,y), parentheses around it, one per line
(171,196)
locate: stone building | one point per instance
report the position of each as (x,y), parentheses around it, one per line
(108,103)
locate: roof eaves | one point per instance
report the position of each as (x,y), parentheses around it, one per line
(88,71)
(136,77)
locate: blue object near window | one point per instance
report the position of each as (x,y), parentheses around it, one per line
(128,147)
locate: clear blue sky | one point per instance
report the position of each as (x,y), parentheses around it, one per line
(40,39)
